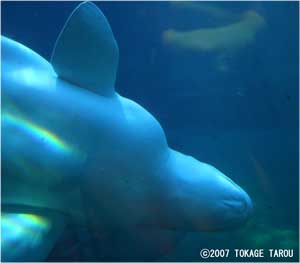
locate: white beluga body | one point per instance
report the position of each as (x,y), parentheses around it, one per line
(228,38)
(226,41)
(74,148)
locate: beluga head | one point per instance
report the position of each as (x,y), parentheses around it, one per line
(201,198)
(132,176)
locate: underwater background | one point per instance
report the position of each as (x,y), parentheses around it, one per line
(233,104)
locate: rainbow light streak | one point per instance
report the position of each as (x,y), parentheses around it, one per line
(39,132)
(29,226)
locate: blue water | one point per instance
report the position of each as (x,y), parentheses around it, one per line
(236,109)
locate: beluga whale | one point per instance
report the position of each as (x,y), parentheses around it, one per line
(73,149)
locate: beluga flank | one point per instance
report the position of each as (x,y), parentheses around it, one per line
(72,147)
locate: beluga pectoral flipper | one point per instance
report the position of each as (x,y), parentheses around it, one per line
(86,53)
(75,149)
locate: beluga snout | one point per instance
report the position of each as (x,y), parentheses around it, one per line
(203,198)
(235,208)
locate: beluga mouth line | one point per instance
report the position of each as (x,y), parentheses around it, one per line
(126,175)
